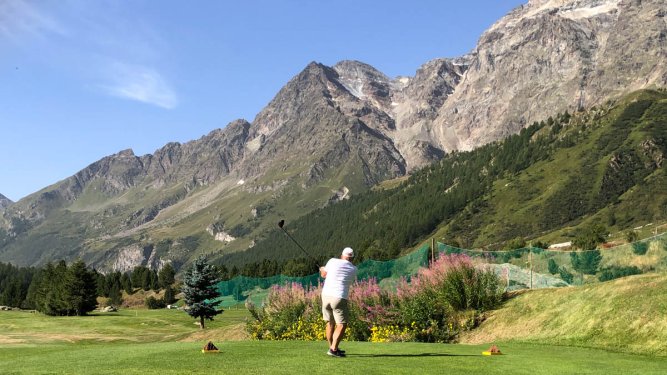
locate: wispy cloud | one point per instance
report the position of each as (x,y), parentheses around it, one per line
(139,83)
(20,18)
(111,48)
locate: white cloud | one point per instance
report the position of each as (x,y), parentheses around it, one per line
(117,51)
(20,18)
(139,83)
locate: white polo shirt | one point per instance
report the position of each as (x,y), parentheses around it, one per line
(340,275)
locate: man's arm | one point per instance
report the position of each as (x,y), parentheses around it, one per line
(323,272)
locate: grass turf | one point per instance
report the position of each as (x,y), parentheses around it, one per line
(167,342)
(290,357)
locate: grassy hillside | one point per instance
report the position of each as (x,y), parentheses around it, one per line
(626,315)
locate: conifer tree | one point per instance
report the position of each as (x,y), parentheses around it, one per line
(166,275)
(81,289)
(169,295)
(200,290)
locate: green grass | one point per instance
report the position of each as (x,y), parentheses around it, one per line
(167,342)
(292,357)
(626,314)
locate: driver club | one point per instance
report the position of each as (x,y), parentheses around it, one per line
(281,223)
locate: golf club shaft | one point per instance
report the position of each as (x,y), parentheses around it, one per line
(302,249)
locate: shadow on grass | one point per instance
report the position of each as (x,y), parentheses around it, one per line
(413,355)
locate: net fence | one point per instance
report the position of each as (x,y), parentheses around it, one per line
(528,267)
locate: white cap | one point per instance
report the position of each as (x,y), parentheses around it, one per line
(348,252)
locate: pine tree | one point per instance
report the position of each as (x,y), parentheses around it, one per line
(81,289)
(166,275)
(553,267)
(126,282)
(200,290)
(115,295)
(169,295)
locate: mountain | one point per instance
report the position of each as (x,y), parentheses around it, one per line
(550,56)
(333,132)
(4,202)
(605,166)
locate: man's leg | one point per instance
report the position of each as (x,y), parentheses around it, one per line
(330,332)
(338,334)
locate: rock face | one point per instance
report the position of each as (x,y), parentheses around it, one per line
(4,202)
(549,56)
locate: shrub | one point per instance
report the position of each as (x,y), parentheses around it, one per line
(154,303)
(370,306)
(437,304)
(566,275)
(640,248)
(433,303)
(552,266)
(290,312)
(631,236)
(586,262)
(391,333)
(612,273)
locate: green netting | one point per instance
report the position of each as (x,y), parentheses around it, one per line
(529,267)
(241,288)
(534,267)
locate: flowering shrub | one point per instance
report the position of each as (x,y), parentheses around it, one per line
(391,333)
(434,306)
(369,306)
(289,313)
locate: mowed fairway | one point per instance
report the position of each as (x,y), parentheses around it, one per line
(166,342)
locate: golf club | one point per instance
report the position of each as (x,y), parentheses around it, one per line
(281,223)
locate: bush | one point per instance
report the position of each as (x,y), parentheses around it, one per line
(640,248)
(631,236)
(552,266)
(370,307)
(612,273)
(566,275)
(586,262)
(447,298)
(154,303)
(289,313)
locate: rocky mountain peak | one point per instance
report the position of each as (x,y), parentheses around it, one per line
(549,56)
(365,82)
(4,202)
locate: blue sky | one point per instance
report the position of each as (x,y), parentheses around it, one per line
(83,79)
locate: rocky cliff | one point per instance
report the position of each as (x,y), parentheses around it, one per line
(549,56)
(4,202)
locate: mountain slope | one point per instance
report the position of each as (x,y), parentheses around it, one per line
(4,202)
(314,140)
(606,165)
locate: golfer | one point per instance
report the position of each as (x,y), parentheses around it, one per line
(338,275)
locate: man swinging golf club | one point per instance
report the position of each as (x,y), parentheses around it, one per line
(338,275)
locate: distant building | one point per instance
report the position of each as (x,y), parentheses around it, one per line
(560,245)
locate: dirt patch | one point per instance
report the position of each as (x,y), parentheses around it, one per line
(6,340)
(234,332)
(44,338)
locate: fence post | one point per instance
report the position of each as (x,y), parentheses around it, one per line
(530,257)
(432,250)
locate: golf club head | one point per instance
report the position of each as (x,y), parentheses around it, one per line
(281,223)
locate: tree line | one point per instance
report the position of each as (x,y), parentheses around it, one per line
(61,289)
